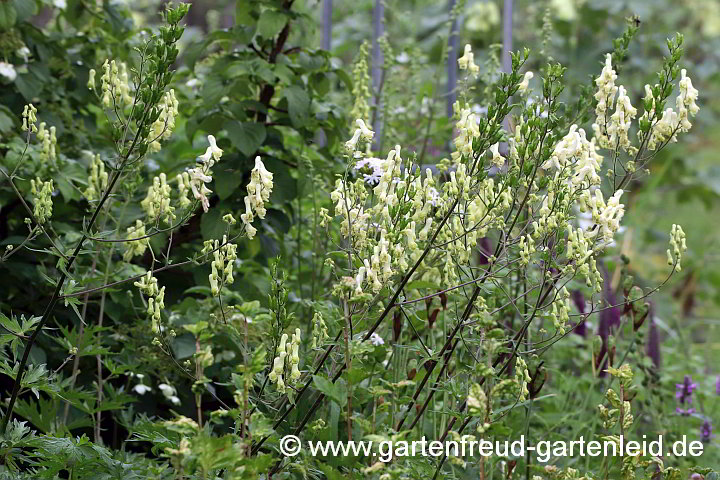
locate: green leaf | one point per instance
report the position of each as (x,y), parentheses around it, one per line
(34,81)
(6,120)
(25,9)
(212,225)
(243,13)
(227,182)
(270,23)
(8,15)
(298,105)
(10,325)
(335,392)
(321,83)
(246,136)
(184,346)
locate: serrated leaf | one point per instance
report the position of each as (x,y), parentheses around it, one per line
(335,392)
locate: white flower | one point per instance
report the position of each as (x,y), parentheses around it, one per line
(497,159)
(605,96)
(216,152)
(61,4)
(197,185)
(23,52)
(7,70)
(169,392)
(259,190)
(434,196)
(362,131)
(606,216)
(566,149)
(620,121)
(467,61)
(679,244)
(685,102)
(166,389)
(212,153)
(192,83)
(467,128)
(688,93)
(163,126)
(525,82)
(141,389)
(376,339)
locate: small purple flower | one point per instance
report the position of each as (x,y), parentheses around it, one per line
(717,385)
(684,390)
(706,432)
(685,413)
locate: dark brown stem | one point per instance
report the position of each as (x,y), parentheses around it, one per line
(267,92)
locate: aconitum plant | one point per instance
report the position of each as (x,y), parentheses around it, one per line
(402,227)
(439,291)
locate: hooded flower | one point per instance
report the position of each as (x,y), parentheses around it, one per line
(467,61)
(523,86)
(684,393)
(259,190)
(201,175)
(213,152)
